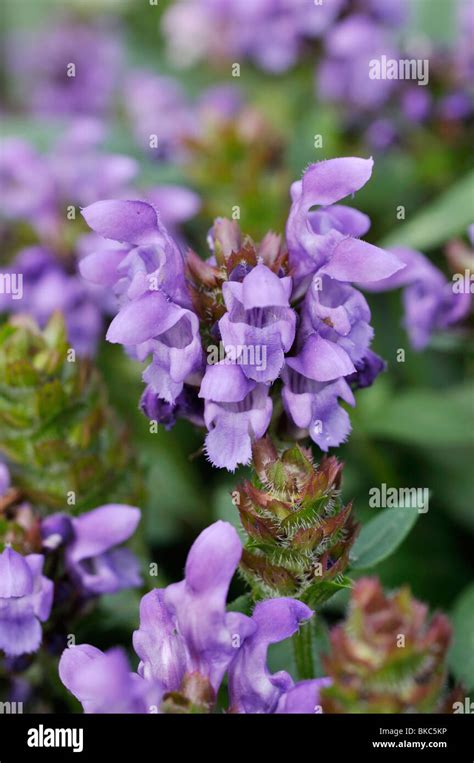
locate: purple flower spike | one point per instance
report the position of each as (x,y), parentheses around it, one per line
(253,689)
(185,628)
(259,326)
(237,411)
(26,597)
(104,683)
(91,556)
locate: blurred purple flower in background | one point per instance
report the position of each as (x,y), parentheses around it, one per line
(270,32)
(71,68)
(431,303)
(159,112)
(187,642)
(47,286)
(343,75)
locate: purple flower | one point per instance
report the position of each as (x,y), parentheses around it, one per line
(69,69)
(149,281)
(187,641)
(152,324)
(391,12)
(455,106)
(83,171)
(38,189)
(259,300)
(185,628)
(381,134)
(220,102)
(237,411)
(313,407)
(150,260)
(259,325)
(91,554)
(431,302)
(325,241)
(337,313)
(252,688)
(334,335)
(26,598)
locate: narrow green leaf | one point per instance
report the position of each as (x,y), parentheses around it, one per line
(461,653)
(381,536)
(447,216)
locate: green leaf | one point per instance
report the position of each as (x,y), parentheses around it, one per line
(426,417)
(461,653)
(447,216)
(381,536)
(319,593)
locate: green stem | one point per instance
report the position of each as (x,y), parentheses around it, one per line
(303,652)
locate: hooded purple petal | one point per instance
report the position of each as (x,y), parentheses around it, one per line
(135,222)
(355,260)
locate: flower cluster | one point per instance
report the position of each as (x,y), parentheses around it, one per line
(82,554)
(187,642)
(275,313)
